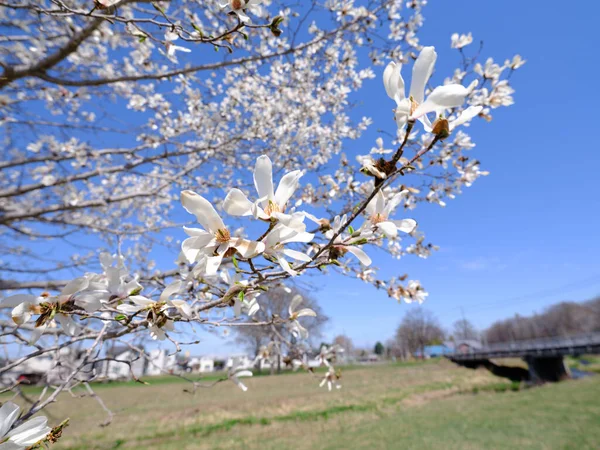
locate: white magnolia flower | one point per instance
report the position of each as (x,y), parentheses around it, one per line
(111,286)
(341,245)
(379,211)
(238,7)
(158,323)
(414,292)
(471,172)
(25,306)
(276,240)
(327,353)
(270,204)
(235,373)
(211,245)
(379,150)
(243,305)
(26,434)
(182,307)
(371,165)
(295,326)
(460,41)
(170,37)
(516,62)
(415,106)
(331,378)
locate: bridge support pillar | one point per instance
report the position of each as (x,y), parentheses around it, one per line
(546,369)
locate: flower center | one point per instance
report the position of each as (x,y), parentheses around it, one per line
(272,207)
(377,218)
(413,105)
(237,4)
(222,235)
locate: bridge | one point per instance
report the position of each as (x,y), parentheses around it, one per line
(544,357)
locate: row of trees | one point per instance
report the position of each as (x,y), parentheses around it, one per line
(562,319)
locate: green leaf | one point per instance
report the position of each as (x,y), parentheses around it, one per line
(120,317)
(235,262)
(241,296)
(158,8)
(142,38)
(197,28)
(136,291)
(350,229)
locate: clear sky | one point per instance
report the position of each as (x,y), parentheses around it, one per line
(526,236)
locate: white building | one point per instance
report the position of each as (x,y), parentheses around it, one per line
(160,362)
(241,361)
(202,364)
(124,364)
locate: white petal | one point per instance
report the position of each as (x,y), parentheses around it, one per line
(67,323)
(193,246)
(205,213)
(286,188)
(422,70)
(393,81)
(285,265)
(465,116)
(294,303)
(21,313)
(243,373)
(142,301)
(243,17)
(248,249)
(263,179)
(442,97)
(213,263)
(8,414)
(74,286)
(361,255)
(237,204)
(402,113)
(388,228)
(405,225)
(306,312)
(30,432)
(394,202)
(193,232)
(171,289)
(298,256)
(15,300)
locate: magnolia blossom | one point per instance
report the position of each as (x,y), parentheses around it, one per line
(276,240)
(246,303)
(26,434)
(414,292)
(26,305)
(379,211)
(158,322)
(328,352)
(415,106)
(182,307)
(235,372)
(460,41)
(170,37)
(331,378)
(378,149)
(270,204)
(215,241)
(295,326)
(470,173)
(238,7)
(341,246)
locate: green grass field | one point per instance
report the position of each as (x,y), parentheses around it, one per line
(432,405)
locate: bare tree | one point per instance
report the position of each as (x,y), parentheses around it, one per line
(345,343)
(465,330)
(418,328)
(274,305)
(562,319)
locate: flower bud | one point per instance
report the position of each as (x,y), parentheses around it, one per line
(441,128)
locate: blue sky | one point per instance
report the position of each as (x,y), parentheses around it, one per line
(526,236)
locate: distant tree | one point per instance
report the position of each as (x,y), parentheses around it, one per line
(561,319)
(465,330)
(274,303)
(418,328)
(379,349)
(345,343)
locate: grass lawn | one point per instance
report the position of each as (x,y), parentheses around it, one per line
(433,405)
